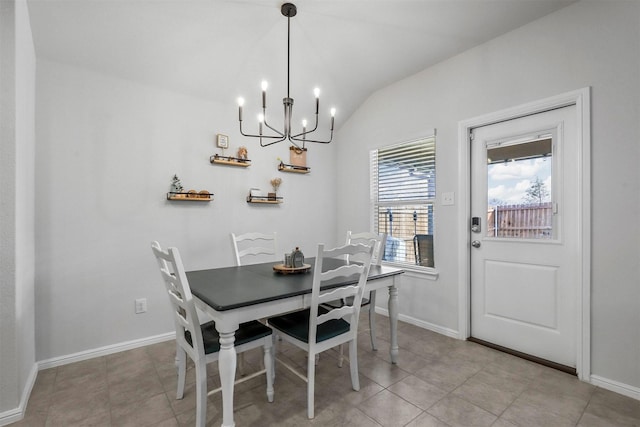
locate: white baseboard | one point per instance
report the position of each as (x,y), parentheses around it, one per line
(12,415)
(421,323)
(17,414)
(104,351)
(615,386)
(611,385)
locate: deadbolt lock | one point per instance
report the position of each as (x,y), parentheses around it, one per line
(475,224)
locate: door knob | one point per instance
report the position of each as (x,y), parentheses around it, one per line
(475,243)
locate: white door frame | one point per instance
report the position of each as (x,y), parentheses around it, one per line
(581,99)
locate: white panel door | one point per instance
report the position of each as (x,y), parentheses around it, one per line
(525,241)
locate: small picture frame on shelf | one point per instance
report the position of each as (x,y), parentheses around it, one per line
(222,141)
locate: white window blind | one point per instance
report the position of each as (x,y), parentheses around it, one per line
(403,192)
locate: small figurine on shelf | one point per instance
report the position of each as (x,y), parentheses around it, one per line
(242,153)
(275,183)
(176,185)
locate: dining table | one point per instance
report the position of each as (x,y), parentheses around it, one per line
(238,294)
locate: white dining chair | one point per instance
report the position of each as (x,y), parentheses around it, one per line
(249,248)
(254,245)
(202,342)
(318,328)
(369,300)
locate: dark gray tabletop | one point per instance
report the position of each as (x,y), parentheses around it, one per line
(229,288)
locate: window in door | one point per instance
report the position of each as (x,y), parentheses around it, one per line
(403,192)
(519,189)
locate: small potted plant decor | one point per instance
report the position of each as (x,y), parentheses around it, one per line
(176,187)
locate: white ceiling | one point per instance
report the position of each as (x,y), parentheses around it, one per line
(222,49)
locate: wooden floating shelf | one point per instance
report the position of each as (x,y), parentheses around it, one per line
(229,161)
(190,197)
(283,167)
(264,199)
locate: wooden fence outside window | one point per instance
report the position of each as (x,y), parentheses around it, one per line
(534,221)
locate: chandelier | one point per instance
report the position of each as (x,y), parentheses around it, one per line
(274,135)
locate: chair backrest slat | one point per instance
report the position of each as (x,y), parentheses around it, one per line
(380,239)
(338,293)
(342,271)
(254,244)
(336,313)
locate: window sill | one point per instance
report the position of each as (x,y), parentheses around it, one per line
(415,271)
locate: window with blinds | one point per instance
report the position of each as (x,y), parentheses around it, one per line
(403,193)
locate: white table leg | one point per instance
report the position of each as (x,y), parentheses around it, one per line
(393,320)
(227,368)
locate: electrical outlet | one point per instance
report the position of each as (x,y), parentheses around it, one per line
(141,305)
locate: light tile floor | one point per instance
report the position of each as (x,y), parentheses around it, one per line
(439,381)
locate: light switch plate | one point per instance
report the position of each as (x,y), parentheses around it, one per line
(448,198)
(141,305)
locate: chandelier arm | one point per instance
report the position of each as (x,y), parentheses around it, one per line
(297,136)
(281,138)
(272,142)
(264,121)
(293,142)
(313,140)
(280,135)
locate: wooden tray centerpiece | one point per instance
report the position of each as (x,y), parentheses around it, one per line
(283,269)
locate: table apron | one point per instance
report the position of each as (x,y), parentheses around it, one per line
(229,320)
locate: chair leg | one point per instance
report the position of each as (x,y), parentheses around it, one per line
(201,393)
(268,366)
(372,320)
(274,354)
(311,378)
(353,363)
(181,364)
(341,356)
(241,365)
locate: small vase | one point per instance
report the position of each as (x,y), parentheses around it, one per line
(271,196)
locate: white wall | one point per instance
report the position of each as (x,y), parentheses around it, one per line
(17,104)
(590,43)
(8,352)
(25,185)
(106,152)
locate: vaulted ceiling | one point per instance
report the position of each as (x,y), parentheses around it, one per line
(222,49)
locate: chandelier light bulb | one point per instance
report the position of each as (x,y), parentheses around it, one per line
(304,123)
(240,104)
(264,85)
(316,92)
(333,112)
(261,118)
